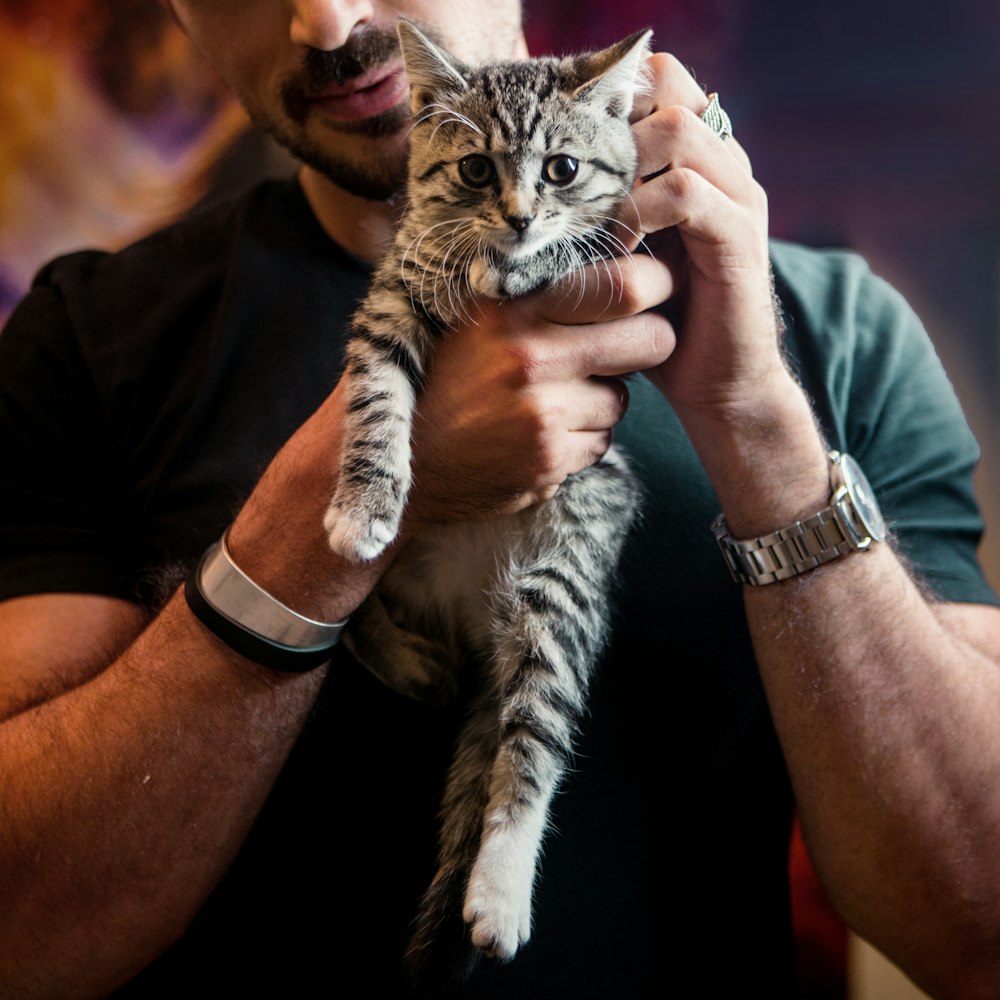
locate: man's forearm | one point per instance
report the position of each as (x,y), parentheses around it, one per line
(887,718)
(125,800)
(883,713)
(126,797)
(888,723)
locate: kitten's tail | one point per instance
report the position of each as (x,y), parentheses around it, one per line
(440,950)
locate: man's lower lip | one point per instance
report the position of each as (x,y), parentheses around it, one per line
(360,104)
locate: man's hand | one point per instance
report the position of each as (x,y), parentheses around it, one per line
(699,208)
(529,394)
(693,180)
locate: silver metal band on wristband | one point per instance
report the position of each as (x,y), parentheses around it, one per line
(253,622)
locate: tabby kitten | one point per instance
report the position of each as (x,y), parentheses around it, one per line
(516,171)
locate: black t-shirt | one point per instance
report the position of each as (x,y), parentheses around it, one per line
(141,396)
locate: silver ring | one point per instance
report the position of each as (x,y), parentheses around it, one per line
(717,119)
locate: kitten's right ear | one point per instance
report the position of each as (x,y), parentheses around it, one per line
(431,71)
(615,74)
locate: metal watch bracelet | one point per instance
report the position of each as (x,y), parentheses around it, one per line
(850,523)
(787,552)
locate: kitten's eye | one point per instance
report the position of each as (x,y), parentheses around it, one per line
(477,170)
(560,169)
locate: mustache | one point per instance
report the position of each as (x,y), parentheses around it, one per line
(362,52)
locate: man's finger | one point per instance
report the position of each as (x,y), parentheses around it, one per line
(594,404)
(569,353)
(608,290)
(672,84)
(675,137)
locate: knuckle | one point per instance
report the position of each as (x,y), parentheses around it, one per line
(665,66)
(741,155)
(673,121)
(682,183)
(541,420)
(548,464)
(597,446)
(620,398)
(657,337)
(625,290)
(760,198)
(543,494)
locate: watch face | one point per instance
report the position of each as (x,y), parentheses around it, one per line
(863,498)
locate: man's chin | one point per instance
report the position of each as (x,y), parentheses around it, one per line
(380,178)
(364,182)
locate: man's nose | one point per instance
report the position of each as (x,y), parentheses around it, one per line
(325,24)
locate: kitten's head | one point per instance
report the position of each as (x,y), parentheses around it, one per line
(511,157)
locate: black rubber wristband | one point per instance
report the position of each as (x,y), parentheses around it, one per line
(266,652)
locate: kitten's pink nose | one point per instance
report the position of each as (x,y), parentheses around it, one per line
(519,222)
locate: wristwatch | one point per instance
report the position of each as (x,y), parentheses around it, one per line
(851,523)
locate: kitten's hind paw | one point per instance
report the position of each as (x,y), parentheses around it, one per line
(356,537)
(408,662)
(499,917)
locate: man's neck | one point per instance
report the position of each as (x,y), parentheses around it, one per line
(363,228)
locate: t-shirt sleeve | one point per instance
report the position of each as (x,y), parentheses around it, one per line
(881,394)
(62,527)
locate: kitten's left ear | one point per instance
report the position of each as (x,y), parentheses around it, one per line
(431,71)
(614,75)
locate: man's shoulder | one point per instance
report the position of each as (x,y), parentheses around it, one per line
(229,259)
(810,266)
(832,299)
(195,245)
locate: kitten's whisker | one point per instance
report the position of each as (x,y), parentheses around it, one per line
(610,244)
(595,241)
(609,239)
(432,110)
(437,268)
(603,246)
(638,236)
(455,275)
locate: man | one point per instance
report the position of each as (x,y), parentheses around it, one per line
(141,755)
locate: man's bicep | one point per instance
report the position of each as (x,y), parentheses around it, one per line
(50,643)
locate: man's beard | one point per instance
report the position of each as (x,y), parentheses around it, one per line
(375,180)
(384,174)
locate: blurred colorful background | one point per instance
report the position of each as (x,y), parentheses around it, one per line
(873,126)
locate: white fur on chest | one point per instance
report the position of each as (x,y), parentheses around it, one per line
(442,580)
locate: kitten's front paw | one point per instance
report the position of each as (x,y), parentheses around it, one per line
(356,537)
(498,911)
(485,279)
(507,283)
(517,282)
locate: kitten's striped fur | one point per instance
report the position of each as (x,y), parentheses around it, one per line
(516,171)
